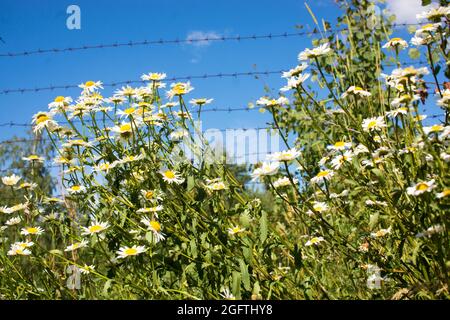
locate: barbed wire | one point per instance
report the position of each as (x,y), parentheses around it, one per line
(130,43)
(178,78)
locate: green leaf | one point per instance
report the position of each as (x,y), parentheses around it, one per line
(245,275)
(236,289)
(263,227)
(426,2)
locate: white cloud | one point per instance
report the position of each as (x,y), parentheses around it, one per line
(202,38)
(405,10)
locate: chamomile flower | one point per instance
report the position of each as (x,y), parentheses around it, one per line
(125,130)
(32,231)
(284,182)
(60,102)
(171,176)
(95,227)
(18,250)
(267,102)
(179,89)
(314,241)
(27,186)
(318,207)
(323,175)
(340,146)
(127,92)
(131,158)
(215,185)
(433,129)
(427,29)
(339,160)
(396,43)
(76,245)
(421,187)
(434,13)
(321,50)
(394,113)
(295,82)
(295,71)
(76,189)
(200,102)
(178,134)
(227,295)
(235,230)
(356,91)
(127,113)
(43,120)
(445,193)
(11,180)
(373,124)
(437,228)
(153,210)
(380,233)
(33,158)
(125,252)
(90,86)
(155,227)
(77,143)
(152,195)
(288,155)
(86,269)
(153,76)
(266,169)
(13,221)
(105,166)
(15,208)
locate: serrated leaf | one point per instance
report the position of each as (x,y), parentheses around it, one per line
(245,275)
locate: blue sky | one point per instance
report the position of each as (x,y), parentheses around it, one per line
(30,25)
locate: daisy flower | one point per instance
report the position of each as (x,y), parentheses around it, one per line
(76,245)
(445,100)
(18,250)
(127,112)
(227,295)
(179,89)
(283,182)
(267,102)
(421,187)
(95,227)
(90,86)
(124,130)
(60,102)
(322,50)
(266,169)
(155,227)
(76,189)
(340,146)
(215,185)
(380,233)
(433,129)
(394,113)
(443,194)
(396,43)
(43,120)
(314,241)
(153,76)
(33,158)
(13,221)
(11,180)
(318,207)
(179,134)
(427,29)
(105,166)
(356,91)
(323,175)
(152,195)
(171,176)
(234,230)
(125,252)
(434,13)
(373,124)
(15,208)
(339,160)
(131,158)
(288,155)
(153,210)
(77,143)
(295,82)
(200,102)
(295,71)
(32,231)
(86,269)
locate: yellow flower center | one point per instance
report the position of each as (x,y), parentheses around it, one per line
(42,118)
(427,26)
(446,193)
(32,230)
(129,111)
(322,173)
(89,83)
(59,99)
(179,88)
(76,188)
(149,194)
(339,144)
(421,187)
(155,225)
(436,128)
(169,174)
(95,228)
(130,251)
(125,127)
(371,124)
(236,229)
